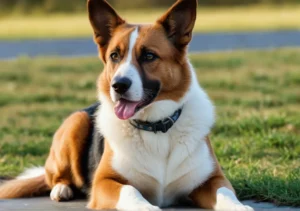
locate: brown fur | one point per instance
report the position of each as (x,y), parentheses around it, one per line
(205,195)
(120,40)
(102,14)
(171,69)
(179,22)
(24,188)
(171,66)
(107,183)
(63,163)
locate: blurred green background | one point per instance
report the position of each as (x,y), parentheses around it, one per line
(256,93)
(53,6)
(51,19)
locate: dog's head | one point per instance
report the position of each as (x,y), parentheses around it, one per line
(143,63)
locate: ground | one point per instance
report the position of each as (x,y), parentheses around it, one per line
(243,18)
(79,205)
(256,93)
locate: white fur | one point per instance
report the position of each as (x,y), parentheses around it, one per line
(127,69)
(31,173)
(131,199)
(226,200)
(162,166)
(61,192)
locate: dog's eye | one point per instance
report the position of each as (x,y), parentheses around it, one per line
(115,57)
(149,57)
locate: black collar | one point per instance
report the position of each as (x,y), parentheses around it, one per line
(159,126)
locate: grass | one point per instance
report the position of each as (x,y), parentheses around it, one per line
(256,137)
(209,20)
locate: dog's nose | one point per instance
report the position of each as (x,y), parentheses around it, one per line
(121,85)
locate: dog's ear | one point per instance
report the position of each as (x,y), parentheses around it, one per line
(104,20)
(179,22)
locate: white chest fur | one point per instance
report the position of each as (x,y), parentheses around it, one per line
(162,166)
(163,176)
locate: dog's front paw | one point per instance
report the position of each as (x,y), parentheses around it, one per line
(243,208)
(131,199)
(227,201)
(233,207)
(61,192)
(146,207)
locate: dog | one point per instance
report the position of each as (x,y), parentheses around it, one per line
(145,145)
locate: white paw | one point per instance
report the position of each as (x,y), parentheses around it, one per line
(227,201)
(243,208)
(131,199)
(61,192)
(236,207)
(233,207)
(146,207)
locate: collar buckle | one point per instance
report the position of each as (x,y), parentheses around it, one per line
(154,128)
(164,129)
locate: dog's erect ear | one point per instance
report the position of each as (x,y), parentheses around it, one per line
(104,20)
(179,22)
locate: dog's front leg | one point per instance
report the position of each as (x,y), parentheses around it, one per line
(227,200)
(131,199)
(113,195)
(217,192)
(63,168)
(111,191)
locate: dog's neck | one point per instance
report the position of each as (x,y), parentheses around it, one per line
(162,125)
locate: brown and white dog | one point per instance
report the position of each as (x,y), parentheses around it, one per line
(128,164)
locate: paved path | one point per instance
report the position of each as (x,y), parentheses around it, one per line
(45,204)
(204,42)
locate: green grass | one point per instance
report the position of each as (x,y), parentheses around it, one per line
(243,18)
(256,93)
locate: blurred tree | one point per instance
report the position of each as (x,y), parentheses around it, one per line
(160,3)
(52,6)
(26,6)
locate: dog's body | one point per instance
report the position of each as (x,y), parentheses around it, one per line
(147,77)
(163,166)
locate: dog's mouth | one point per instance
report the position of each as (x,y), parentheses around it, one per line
(125,109)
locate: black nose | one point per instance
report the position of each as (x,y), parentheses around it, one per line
(121,85)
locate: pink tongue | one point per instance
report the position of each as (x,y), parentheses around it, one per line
(125,109)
